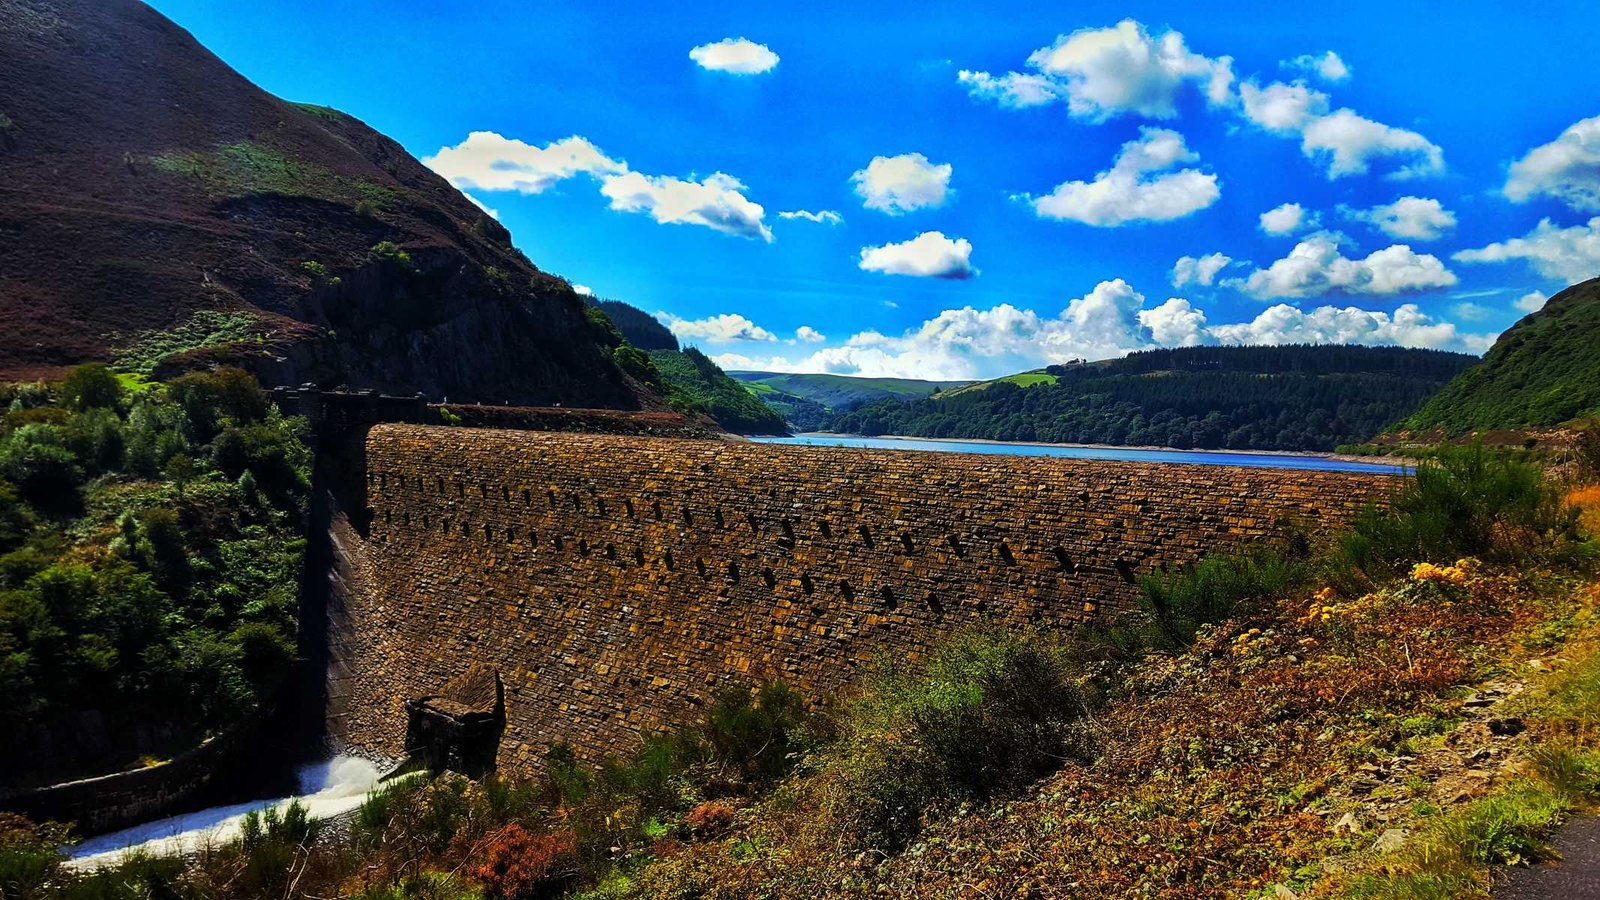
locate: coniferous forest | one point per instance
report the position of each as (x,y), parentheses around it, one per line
(1238,398)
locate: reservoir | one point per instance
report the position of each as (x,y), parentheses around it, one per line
(1320,462)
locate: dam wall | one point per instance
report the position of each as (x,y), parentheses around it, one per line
(614,583)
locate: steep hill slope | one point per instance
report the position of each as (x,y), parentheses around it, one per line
(1243,398)
(839,392)
(155,204)
(694,381)
(1543,371)
(639,327)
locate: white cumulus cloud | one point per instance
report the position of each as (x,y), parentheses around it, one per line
(1282,108)
(492,162)
(1567,168)
(716,201)
(928,255)
(1408,326)
(1316,267)
(1327,66)
(1137,187)
(1013,90)
(1532,301)
(821,216)
(807,334)
(1175,323)
(1567,254)
(736,56)
(1107,72)
(721,329)
(1343,142)
(1408,218)
(1201,270)
(1287,218)
(1348,143)
(900,184)
(1110,320)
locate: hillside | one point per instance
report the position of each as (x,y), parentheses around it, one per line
(1242,398)
(839,392)
(639,327)
(696,383)
(1545,370)
(689,380)
(160,211)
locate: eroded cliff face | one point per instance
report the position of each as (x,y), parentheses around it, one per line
(614,582)
(147,186)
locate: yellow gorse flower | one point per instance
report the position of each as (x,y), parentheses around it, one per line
(1456,574)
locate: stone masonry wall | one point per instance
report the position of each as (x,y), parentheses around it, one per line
(616,582)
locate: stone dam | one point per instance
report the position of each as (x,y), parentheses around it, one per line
(615,583)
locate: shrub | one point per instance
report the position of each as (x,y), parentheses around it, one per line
(30,856)
(47,474)
(985,714)
(426,886)
(1465,501)
(636,363)
(211,400)
(1214,589)
(91,386)
(137,876)
(390,252)
(16,519)
(709,819)
(265,654)
(520,866)
(262,450)
(755,739)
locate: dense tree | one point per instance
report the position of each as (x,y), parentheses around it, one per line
(639,327)
(149,553)
(1242,398)
(697,384)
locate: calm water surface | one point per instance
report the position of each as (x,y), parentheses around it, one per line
(1205,457)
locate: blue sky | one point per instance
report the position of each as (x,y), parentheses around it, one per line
(990,189)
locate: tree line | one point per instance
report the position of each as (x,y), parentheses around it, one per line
(1240,398)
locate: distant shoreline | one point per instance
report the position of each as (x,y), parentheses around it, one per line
(1395,461)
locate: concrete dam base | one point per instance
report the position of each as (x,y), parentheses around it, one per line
(614,583)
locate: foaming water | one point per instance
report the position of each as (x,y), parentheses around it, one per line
(326,789)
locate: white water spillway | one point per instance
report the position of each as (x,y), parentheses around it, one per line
(326,789)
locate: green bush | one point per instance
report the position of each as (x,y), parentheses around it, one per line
(390,252)
(30,857)
(1464,501)
(1216,588)
(91,386)
(985,714)
(755,740)
(141,575)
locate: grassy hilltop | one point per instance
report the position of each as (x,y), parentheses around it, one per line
(1544,371)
